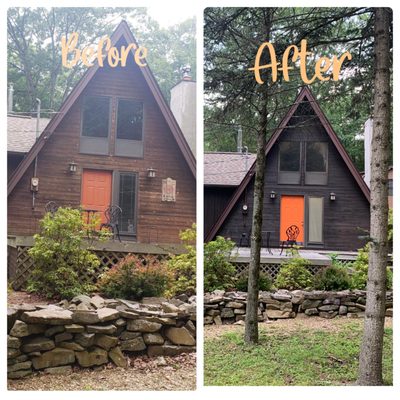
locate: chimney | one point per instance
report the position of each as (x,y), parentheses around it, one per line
(183,106)
(368,130)
(10,98)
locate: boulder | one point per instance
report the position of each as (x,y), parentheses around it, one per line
(48,316)
(342,310)
(120,322)
(191,328)
(106,329)
(212,312)
(19,374)
(227,313)
(234,304)
(85,317)
(329,307)
(129,314)
(142,325)
(153,338)
(18,359)
(21,329)
(74,328)
(279,314)
(331,300)
(117,357)
(63,337)
(19,366)
(13,342)
(328,314)
(217,320)
(88,358)
(282,295)
(136,344)
(63,370)
(169,307)
(153,300)
(126,335)
(85,339)
(308,303)
(105,342)
(107,314)
(168,350)
(71,346)
(97,301)
(82,298)
(13,353)
(53,330)
(37,344)
(311,311)
(12,314)
(180,336)
(54,358)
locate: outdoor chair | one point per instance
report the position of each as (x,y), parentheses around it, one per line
(244,240)
(51,207)
(112,214)
(292,232)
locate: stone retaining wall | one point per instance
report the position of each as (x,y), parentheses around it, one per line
(230,307)
(93,331)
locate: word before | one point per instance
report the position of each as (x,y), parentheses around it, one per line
(322,66)
(88,54)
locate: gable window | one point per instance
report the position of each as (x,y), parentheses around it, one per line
(316,171)
(95,125)
(125,189)
(129,137)
(289,162)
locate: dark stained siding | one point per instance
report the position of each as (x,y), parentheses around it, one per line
(157,221)
(13,161)
(344,219)
(215,200)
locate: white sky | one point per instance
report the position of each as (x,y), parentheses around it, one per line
(169,14)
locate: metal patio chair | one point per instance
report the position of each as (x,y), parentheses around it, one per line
(112,214)
(51,207)
(292,232)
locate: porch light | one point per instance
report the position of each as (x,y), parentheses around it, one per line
(72,167)
(332,196)
(151,172)
(272,195)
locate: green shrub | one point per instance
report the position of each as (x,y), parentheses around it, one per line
(293,273)
(332,278)
(359,274)
(133,278)
(219,273)
(183,266)
(61,263)
(264,283)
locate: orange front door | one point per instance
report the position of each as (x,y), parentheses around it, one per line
(292,213)
(96,191)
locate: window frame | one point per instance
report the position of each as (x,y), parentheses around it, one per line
(308,214)
(116,199)
(129,147)
(92,144)
(290,177)
(316,177)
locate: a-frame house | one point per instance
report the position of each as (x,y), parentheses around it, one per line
(310,182)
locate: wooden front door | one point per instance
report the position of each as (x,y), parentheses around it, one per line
(292,213)
(96,191)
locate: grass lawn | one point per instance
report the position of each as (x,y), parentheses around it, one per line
(302,356)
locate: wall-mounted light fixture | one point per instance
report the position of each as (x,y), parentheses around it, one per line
(72,167)
(272,195)
(332,196)
(151,172)
(244,209)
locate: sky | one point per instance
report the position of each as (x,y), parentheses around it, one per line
(163,15)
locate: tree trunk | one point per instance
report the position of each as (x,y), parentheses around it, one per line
(370,368)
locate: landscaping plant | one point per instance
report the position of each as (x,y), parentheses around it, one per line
(219,272)
(293,273)
(62,264)
(135,277)
(183,266)
(264,283)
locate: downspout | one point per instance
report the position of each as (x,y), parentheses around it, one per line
(36,158)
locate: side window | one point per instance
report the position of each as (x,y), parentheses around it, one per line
(289,162)
(129,137)
(315,219)
(316,171)
(95,125)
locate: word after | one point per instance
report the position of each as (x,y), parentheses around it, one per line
(325,68)
(88,54)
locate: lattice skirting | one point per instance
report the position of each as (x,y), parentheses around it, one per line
(272,270)
(21,264)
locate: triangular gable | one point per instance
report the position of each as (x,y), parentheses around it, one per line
(305,94)
(121,31)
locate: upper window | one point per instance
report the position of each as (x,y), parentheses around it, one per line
(129,120)
(95,118)
(289,163)
(316,163)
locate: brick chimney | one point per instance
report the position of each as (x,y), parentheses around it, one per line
(183,106)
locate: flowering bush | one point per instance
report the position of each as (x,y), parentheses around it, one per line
(135,277)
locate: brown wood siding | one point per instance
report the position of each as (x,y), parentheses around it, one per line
(157,221)
(215,200)
(343,218)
